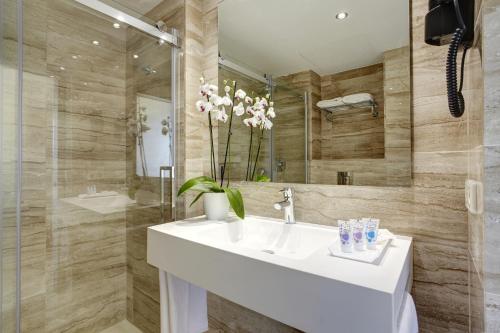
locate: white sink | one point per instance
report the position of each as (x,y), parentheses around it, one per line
(286,272)
(296,241)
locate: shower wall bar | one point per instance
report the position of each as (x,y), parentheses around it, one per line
(101,7)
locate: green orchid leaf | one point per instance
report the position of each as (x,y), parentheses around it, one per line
(197,198)
(262,179)
(236,201)
(202,184)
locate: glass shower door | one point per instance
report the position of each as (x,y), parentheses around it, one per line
(99,125)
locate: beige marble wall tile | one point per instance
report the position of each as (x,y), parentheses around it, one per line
(492,313)
(491,43)
(491,164)
(492,219)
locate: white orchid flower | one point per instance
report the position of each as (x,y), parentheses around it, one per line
(216,100)
(240,94)
(200,106)
(251,122)
(227,89)
(213,88)
(260,115)
(203,106)
(271,103)
(239,109)
(222,115)
(248,100)
(249,110)
(226,101)
(208,106)
(271,113)
(267,124)
(207,90)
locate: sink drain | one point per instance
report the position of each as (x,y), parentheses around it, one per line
(268,251)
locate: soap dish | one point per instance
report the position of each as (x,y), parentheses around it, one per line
(369,256)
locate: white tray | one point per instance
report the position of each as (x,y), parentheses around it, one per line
(370,256)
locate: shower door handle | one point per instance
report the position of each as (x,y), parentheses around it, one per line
(162,192)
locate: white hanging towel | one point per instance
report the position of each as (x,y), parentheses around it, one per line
(183,306)
(408,322)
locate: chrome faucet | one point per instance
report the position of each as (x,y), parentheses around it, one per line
(287,205)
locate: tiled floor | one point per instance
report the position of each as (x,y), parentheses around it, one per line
(122,327)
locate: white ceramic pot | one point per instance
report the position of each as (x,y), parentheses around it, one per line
(216,206)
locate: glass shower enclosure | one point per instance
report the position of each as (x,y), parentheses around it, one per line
(87,156)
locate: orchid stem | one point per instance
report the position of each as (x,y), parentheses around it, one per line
(249,153)
(213,170)
(258,152)
(229,134)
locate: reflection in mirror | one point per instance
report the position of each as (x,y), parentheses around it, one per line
(338,74)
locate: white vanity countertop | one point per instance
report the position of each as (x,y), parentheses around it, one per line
(383,276)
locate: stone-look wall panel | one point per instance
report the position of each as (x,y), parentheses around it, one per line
(484,166)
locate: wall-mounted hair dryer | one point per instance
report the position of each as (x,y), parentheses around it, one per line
(451,22)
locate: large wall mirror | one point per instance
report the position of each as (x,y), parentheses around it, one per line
(338,75)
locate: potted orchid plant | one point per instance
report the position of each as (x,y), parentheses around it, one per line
(218,196)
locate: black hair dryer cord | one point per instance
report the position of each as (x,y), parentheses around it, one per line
(456,101)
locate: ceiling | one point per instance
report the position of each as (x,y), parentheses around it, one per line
(287,36)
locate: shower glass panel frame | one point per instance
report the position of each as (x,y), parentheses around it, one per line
(21,83)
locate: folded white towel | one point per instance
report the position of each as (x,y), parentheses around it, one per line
(329,103)
(357,98)
(342,103)
(184,306)
(408,322)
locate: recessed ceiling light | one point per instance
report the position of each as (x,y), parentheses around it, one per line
(74,56)
(116,25)
(62,68)
(341,15)
(161,41)
(95,42)
(135,56)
